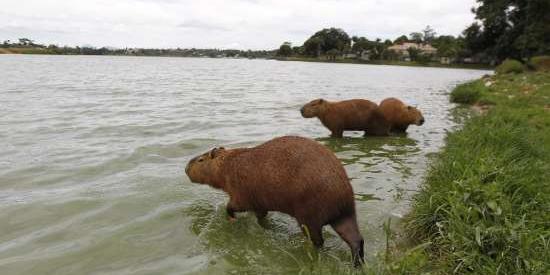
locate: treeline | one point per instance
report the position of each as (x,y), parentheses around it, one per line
(25,45)
(334,42)
(503,29)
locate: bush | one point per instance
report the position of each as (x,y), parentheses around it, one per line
(468,93)
(509,66)
(540,63)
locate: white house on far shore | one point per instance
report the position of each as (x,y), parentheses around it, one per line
(402,49)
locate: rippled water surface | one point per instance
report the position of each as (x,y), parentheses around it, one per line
(94,148)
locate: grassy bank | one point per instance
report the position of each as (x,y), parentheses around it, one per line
(26,51)
(485,205)
(385,62)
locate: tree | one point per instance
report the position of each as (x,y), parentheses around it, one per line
(298,50)
(417,37)
(401,39)
(332,54)
(361,44)
(447,46)
(413,53)
(312,46)
(510,28)
(326,40)
(474,39)
(25,42)
(285,49)
(428,34)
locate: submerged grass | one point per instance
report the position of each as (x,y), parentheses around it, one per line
(485,204)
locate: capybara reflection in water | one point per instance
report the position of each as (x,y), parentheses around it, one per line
(292,175)
(347,115)
(399,115)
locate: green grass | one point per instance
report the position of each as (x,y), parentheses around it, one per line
(485,204)
(468,93)
(510,66)
(540,63)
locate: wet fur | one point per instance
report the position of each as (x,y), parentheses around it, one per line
(292,175)
(399,115)
(348,115)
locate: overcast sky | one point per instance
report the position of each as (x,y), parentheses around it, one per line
(241,24)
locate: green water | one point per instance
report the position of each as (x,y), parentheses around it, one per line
(94,148)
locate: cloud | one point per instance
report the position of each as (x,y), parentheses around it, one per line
(254,24)
(197,24)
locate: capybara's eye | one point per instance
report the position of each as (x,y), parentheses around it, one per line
(201,160)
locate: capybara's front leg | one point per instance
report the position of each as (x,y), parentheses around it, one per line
(338,133)
(231,209)
(314,232)
(260,217)
(399,128)
(260,214)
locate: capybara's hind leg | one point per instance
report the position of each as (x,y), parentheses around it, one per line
(348,230)
(315,234)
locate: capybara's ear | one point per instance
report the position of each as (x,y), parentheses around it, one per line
(409,107)
(321,100)
(215,152)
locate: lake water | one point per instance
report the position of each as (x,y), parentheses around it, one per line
(94,148)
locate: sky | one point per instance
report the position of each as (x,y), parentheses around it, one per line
(235,24)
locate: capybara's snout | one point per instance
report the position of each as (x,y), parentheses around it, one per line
(188,167)
(302,112)
(421,121)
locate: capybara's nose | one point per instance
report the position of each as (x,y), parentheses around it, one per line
(302,111)
(421,121)
(187,169)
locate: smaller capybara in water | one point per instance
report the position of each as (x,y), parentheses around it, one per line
(347,115)
(399,115)
(292,175)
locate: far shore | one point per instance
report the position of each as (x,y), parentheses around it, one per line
(389,62)
(45,51)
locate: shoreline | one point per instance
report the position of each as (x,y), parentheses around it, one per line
(44,51)
(483,206)
(390,63)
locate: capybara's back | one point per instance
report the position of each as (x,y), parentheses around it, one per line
(347,115)
(293,175)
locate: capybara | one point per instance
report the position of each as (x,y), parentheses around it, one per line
(347,115)
(293,175)
(399,115)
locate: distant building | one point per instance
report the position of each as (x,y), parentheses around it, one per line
(363,55)
(350,55)
(445,60)
(403,49)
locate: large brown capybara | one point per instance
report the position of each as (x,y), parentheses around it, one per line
(347,115)
(292,175)
(399,115)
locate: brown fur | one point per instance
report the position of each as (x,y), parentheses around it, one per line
(347,115)
(292,175)
(399,115)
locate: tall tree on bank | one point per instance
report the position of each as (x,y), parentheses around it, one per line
(510,28)
(326,40)
(285,50)
(428,34)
